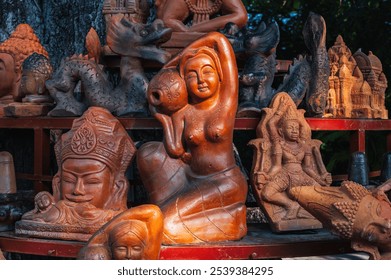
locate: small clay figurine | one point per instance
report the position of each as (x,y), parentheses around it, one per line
(175,14)
(133,41)
(192,176)
(285,156)
(90,187)
(136,234)
(353,213)
(13,52)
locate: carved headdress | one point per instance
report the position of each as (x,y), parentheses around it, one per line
(21,44)
(97,135)
(334,207)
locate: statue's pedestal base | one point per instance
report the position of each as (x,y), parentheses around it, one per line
(279,223)
(26,109)
(54,231)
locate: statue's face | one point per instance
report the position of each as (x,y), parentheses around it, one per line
(7,74)
(373,222)
(202,79)
(291,130)
(32,83)
(44,202)
(128,247)
(86,181)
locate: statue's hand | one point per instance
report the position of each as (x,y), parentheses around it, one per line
(186,158)
(327,179)
(261,178)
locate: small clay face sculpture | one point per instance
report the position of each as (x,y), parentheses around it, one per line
(285,157)
(127,240)
(353,213)
(203,199)
(90,187)
(135,234)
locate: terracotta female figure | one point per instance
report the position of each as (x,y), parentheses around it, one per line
(90,187)
(192,176)
(135,234)
(176,13)
(351,212)
(286,156)
(20,45)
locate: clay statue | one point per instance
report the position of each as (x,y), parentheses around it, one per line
(90,187)
(192,176)
(133,41)
(307,80)
(352,212)
(372,70)
(285,156)
(135,234)
(175,14)
(13,52)
(257,76)
(357,84)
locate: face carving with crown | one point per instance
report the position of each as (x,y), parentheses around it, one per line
(291,130)
(86,181)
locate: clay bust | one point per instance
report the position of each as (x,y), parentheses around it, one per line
(176,14)
(90,186)
(135,234)
(285,156)
(192,175)
(36,71)
(20,45)
(351,212)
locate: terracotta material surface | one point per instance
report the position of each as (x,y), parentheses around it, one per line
(192,175)
(21,44)
(351,212)
(285,156)
(90,186)
(136,234)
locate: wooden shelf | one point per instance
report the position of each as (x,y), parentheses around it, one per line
(260,243)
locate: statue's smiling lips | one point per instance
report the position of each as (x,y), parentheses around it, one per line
(79,198)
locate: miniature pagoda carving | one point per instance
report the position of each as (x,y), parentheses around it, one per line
(285,156)
(350,94)
(90,187)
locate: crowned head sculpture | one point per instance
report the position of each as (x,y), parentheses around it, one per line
(352,212)
(90,186)
(20,45)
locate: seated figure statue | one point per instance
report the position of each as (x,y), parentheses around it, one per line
(175,14)
(135,234)
(192,175)
(352,212)
(285,156)
(90,187)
